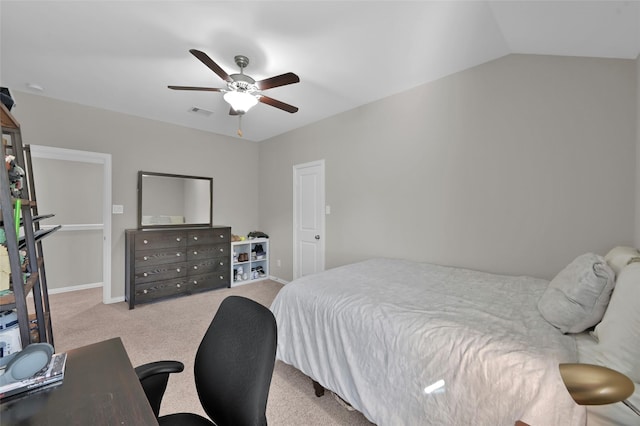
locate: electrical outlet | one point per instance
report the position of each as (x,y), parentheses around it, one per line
(117,209)
(278,263)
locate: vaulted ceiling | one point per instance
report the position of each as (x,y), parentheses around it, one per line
(121,55)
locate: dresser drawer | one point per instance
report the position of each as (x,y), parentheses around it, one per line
(208,236)
(209,281)
(147,240)
(146,258)
(144,274)
(158,289)
(209,252)
(204,266)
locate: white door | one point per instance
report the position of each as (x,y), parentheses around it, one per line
(308,218)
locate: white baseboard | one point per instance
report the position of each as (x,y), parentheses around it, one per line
(239,283)
(121,298)
(70,288)
(279,280)
(82,287)
(74,288)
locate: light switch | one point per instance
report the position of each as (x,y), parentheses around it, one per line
(117,209)
(327,209)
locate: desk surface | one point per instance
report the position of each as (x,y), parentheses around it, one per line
(100,387)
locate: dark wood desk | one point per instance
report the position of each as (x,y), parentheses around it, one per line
(100,387)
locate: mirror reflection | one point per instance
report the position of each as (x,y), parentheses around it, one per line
(173,200)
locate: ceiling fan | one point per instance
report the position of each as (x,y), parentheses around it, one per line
(242,91)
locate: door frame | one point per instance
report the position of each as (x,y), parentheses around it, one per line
(322,200)
(54,153)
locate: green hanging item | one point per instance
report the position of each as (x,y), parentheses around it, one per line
(17,217)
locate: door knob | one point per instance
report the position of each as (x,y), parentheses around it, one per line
(317,237)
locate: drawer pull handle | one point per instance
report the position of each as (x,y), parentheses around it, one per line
(145,291)
(221,236)
(178,270)
(145,258)
(195,238)
(195,266)
(145,241)
(222,277)
(195,282)
(221,250)
(195,252)
(178,254)
(178,239)
(178,285)
(221,263)
(144,275)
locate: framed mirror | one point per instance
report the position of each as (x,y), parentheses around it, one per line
(166,200)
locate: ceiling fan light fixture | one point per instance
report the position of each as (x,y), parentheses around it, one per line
(241,102)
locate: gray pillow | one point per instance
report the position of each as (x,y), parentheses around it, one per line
(577,297)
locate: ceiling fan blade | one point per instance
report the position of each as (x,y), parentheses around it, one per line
(204,89)
(212,65)
(279,80)
(278,104)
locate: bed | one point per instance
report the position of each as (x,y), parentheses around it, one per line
(410,343)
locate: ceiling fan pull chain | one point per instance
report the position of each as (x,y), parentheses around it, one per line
(240,125)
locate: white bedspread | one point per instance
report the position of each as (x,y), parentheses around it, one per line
(379,332)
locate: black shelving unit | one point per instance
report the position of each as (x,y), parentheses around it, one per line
(27,273)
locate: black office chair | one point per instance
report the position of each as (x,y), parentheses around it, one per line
(233,368)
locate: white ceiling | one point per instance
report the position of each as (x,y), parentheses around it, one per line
(121,55)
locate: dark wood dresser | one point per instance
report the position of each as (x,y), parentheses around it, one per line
(164,263)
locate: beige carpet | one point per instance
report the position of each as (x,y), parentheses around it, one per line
(172,329)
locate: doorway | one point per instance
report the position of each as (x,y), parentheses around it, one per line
(308,218)
(76,186)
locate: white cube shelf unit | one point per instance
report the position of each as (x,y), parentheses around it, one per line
(250,261)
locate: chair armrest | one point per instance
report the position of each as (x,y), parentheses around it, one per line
(154,377)
(145,371)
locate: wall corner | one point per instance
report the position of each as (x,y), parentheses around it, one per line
(637,191)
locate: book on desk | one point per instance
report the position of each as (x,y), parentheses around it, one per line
(49,376)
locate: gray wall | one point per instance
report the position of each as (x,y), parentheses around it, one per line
(515,166)
(637,239)
(141,144)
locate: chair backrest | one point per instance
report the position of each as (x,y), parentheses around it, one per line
(234,363)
